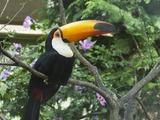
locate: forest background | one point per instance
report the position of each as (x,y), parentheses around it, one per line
(123,69)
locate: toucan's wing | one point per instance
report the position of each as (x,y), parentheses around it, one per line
(44,64)
(60,75)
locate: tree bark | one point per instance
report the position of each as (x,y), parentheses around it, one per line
(114,112)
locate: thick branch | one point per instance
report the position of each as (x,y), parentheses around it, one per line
(128,110)
(153,73)
(91,68)
(62,12)
(19,63)
(106,96)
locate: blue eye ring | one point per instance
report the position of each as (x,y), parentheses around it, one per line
(57,34)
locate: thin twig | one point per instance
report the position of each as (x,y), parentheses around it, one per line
(137,46)
(8,64)
(144,108)
(5,6)
(14,16)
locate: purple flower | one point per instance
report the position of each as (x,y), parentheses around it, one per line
(5,74)
(101,99)
(17,46)
(28,22)
(79,88)
(58,118)
(33,62)
(86,44)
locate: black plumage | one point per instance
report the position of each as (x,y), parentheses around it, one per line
(58,69)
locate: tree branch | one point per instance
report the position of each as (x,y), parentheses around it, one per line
(91,68)
(62,12)
(153,73)
(128,110)
(137,46)
(19,63)
(106,96)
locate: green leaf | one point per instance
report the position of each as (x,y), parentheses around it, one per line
(152,85)
(130,81)
(3,88)
(12,34)
(147,1)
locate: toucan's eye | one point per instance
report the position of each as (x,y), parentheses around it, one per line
(57,34)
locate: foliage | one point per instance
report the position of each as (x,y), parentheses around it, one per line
(122,60)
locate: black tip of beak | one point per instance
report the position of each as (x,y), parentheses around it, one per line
(105,27)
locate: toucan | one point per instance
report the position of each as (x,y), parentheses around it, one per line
(57,61)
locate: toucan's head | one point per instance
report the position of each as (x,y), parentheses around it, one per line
(59,37)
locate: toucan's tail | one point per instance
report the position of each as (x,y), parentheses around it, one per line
(32,109)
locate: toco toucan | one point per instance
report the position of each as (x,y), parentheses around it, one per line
(57,61)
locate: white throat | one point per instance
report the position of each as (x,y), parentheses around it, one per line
(61,47)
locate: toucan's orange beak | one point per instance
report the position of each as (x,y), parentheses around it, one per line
(82,29)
